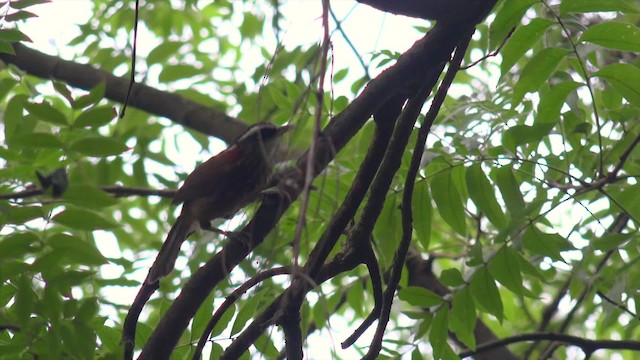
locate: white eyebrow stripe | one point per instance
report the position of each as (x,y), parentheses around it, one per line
(255,129)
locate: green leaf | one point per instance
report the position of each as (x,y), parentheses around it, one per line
(162,52)
(109,337)
(16,245)
(89,196)
(38,140)
(76,249)
(247,310)
(419,297)
(510,189)
(13,115)
(279,97)
(582,6)
(178,72)
(482,193)
(6,47)
(6,85)
(25,300)
(508,16)
(422,213)
(355,299)
(614,35)
(266,346)
(448,201)
(551,102)
(416,354)
(340,75)
(45,112)
(388,230)
(95,95)
(439,332)
(86,340)
(98,146)
(625,78)
(537,72)
(485,291)
(201,319)
(216,351)
(20,15)
(96,116)
(20,214)
(519,135)
(505,267)
(22,4)
(83,220)
(7,292)
(627,199)
(545,244)
(62,89)
(462,317)
(87,310)
(13,35)
(608,242)
(451,277)
(522,41)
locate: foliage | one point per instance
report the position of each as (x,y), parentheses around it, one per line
(527,203)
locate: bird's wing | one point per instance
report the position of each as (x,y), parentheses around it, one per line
(208,177)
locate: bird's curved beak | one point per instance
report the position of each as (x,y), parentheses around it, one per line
(283,129)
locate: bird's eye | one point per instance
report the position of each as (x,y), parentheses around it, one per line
(267,133)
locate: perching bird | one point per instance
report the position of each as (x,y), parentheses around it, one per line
(220,187)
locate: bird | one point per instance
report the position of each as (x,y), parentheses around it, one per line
(219,187)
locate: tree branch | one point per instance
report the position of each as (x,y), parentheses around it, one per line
(231,299)
(344,261)
(172,106)
(426,53)
(376,285)
(380,187)
(116,191)
(407,195)
(588,346)
(449,10)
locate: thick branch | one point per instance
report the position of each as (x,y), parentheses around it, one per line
(345,261)
(172,106)
(426,53)
(230,300)
(407,195)
(441,10)
(380,187)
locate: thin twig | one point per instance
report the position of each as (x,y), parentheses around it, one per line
(132,80)
(376,283)
(616,304)
(588,346)
(339,28)
(624,157)
(231,299)
(115,190)
(493,53)
(311,155)
(587,81)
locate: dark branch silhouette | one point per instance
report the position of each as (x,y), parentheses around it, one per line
(172,106)
(587,346)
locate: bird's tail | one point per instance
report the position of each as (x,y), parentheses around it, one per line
(166,259)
